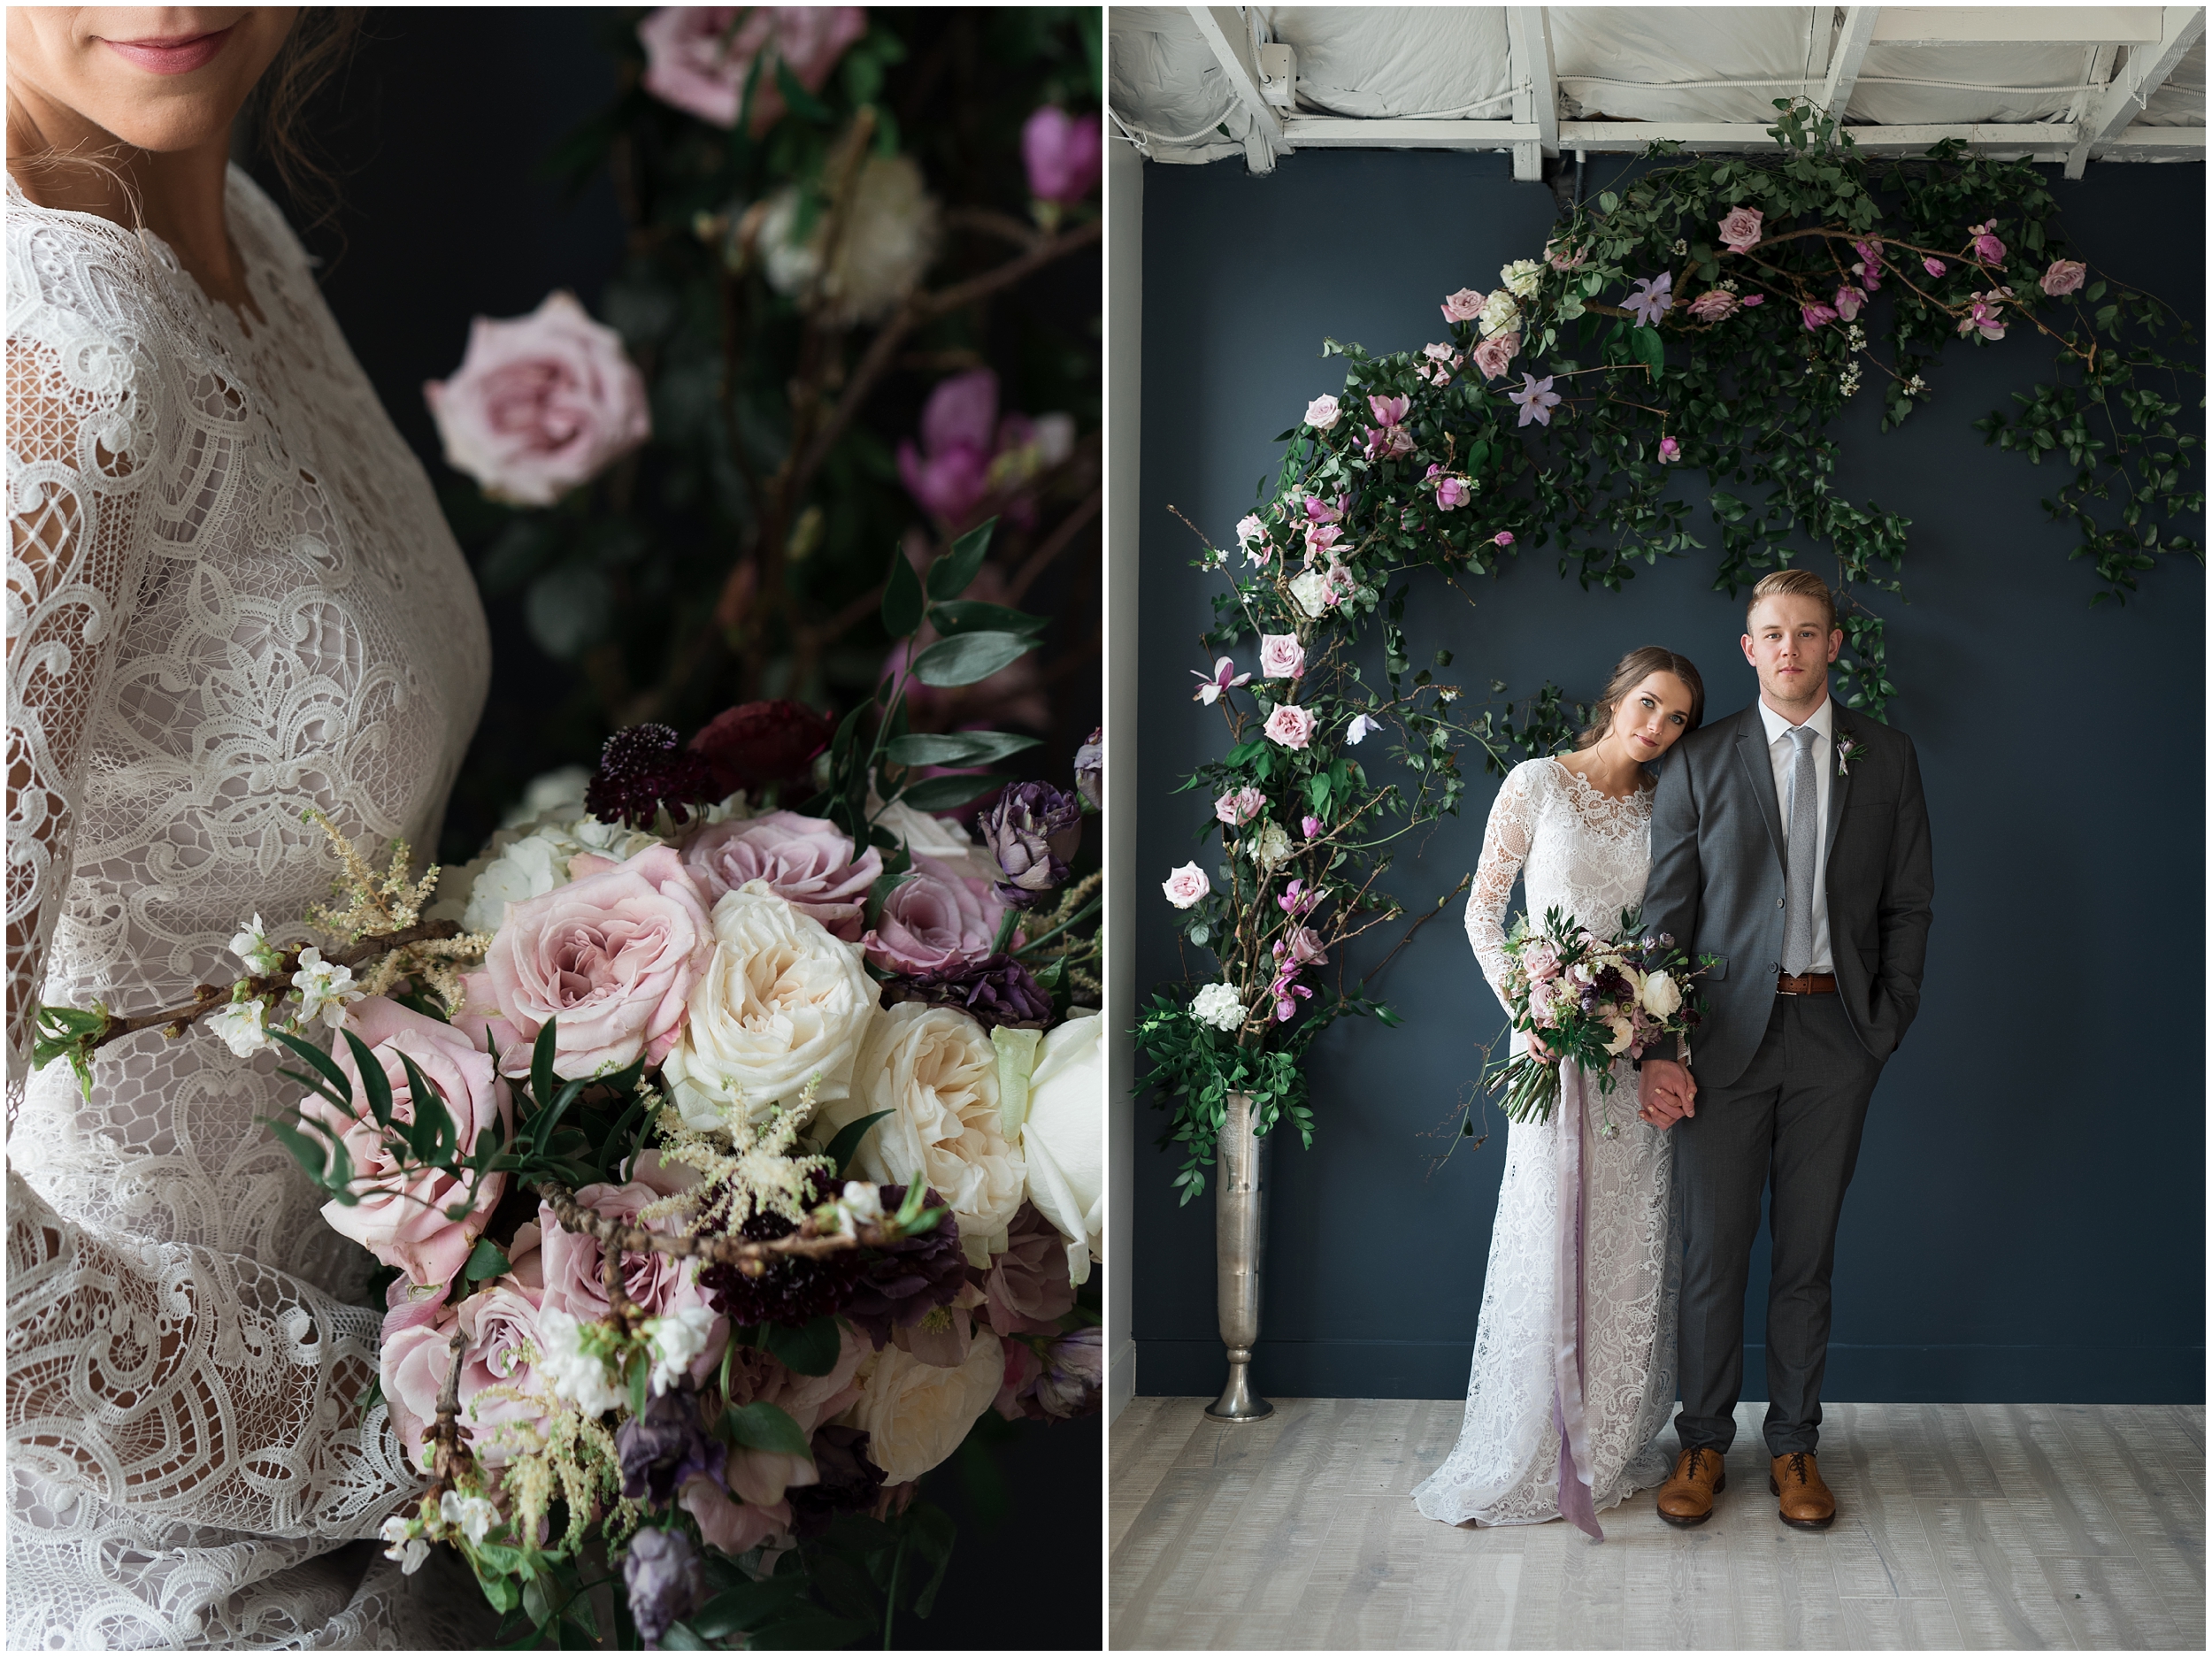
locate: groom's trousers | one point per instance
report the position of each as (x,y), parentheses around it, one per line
(1791,1121)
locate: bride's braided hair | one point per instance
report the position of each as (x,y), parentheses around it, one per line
(1632,671)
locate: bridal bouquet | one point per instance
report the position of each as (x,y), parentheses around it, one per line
(728,1161)
(1592,999)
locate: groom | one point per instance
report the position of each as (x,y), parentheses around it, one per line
(1792,841)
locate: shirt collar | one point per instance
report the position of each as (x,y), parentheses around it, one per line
(1823,720)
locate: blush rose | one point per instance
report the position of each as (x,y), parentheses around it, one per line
(806,861)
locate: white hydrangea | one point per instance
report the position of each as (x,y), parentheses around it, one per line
(530,859)
(252,947)
(1521,278)
(1311,590)
(240,1027)
(409,1550)
(1270,847)
(570,1369)
(1216,1004)
(472,1516)
(1500,314)
(676,1339)
(550,794)
(324,988)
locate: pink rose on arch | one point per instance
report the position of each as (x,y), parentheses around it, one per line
(935,920)
(806,861)
(1986,247)
(1713,305)
(698,57)
(1463,306)
(1493,356)
(1238,808)
(401,1219)
(1186,885)
(2064,277)
(1290,726)
(1323,412)
(612,957)
(540,404)
(1741,230)
(1064,154)
(1281,656)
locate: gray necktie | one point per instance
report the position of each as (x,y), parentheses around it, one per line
(1804,851)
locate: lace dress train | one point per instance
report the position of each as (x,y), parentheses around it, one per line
(1579,851)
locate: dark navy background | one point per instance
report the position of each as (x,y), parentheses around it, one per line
(2027,1221)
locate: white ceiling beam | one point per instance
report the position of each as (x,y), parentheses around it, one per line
(1230,36)
(1629,137)
(2017,24)
(2180,28)
(1850,53)
(2154,143)
(1332,132)
(2096,74)
(1535,88)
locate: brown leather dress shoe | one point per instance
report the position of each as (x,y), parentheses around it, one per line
(1686,1499)
(1807,1501)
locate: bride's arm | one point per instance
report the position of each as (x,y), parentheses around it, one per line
(175,1380)
(1505,844)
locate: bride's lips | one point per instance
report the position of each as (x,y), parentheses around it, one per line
(178,57)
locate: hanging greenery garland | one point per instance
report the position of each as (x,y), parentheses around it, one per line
(1714,317)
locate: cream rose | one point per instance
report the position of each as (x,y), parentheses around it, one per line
(1661,996)
(1063,1138)
(782,1002)
(936,1071)
(916,1413)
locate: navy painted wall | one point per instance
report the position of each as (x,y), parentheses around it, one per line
(2027,1223)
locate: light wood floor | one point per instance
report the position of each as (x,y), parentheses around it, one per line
(1998,1526)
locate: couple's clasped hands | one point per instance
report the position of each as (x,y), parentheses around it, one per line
(1668,1091)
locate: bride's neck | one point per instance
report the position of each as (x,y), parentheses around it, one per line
(60,159)
(1605,768)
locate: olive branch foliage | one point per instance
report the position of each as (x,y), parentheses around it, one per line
(1749,399)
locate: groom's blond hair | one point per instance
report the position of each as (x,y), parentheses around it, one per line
(1793,584)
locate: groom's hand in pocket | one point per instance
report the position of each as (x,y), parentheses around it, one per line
(1668,1092)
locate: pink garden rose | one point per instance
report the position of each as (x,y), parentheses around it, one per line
(1281,656)
(1289,725)
(1713,305)
(1323,412)
(403,1221)
(697,58)
(1463,306)
(412,1365)
(1241,806)
(935,920)
(1186,885)
(612,956)
(2064,278)
(1741,230)
(540,404)
(501,1326)
(806,861)
(1064,154)
(1494,353)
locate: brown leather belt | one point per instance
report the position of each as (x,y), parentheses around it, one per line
(1811,984)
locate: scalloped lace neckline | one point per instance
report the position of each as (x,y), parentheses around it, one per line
(240,323)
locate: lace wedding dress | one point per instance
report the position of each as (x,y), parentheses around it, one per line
(230,597)
(1578,850)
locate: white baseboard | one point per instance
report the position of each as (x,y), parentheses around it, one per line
(1121,1378)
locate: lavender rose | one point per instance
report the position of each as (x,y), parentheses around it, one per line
(612,957)
(1074,1366)
(935,920)
(806,861)
(1033,830)
(1741,230)
(399,1218)
(2064,278)
(539,404)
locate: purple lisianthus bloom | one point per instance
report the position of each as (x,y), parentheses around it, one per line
(664,1579)
(1090,770)
(1074,1366)
(898,1285)
(665,1446)
(1652,297)
(996,990)
(846,1481)
(1536,399)
(1033,830)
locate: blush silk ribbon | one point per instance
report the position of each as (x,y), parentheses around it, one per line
(1568,1413)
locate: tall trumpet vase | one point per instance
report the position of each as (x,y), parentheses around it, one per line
(1240,1243)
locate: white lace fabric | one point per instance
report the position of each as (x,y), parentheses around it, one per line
(231,595)
(1576,849)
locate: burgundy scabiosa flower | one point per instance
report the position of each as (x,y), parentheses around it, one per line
(898,1285)
(792,1291)
(642,769)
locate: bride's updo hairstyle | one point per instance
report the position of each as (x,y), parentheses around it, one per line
(1632,671)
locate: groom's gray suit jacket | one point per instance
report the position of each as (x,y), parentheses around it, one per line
(1718,844)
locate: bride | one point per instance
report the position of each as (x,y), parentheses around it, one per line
(230,595)
(1567,1399)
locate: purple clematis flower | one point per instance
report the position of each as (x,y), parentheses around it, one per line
(1536,399)
(1653,298)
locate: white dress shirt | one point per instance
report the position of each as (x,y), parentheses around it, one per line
(1783,751)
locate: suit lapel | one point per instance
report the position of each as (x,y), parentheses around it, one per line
(1751,751)
(1840,784)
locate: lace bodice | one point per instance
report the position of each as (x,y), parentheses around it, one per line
(1572,846)
(231,595)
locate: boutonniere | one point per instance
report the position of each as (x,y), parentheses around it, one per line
(1848,749)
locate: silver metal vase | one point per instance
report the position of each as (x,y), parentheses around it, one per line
(1240,1243)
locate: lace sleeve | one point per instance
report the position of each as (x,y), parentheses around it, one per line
(1505,844)
(191,1384)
